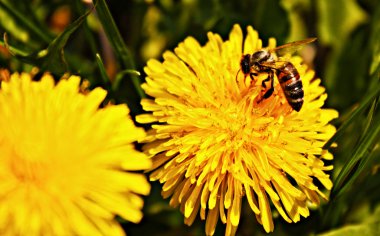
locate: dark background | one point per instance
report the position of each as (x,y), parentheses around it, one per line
(346,57)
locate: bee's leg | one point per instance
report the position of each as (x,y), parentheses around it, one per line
(271,89)
(264,81)
(253,74)
(269,92)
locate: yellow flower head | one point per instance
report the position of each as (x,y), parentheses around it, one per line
(64,160)
(214,144)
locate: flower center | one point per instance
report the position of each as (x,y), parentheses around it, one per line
(233,125)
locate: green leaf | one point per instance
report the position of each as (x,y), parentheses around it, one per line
(119,47)
(26,22)
(348,174)
(103,72)
(52,58)
(11,48)
(270,19)
(354,230)
(354,115)
(370,115)
(90,38)
(337,19)
(368,216)
(295,10)
(119,77)
(341,27)
(345,65)
(375,42)
(376,54)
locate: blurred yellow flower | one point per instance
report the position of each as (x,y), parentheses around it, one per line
(213,144)
(65,163)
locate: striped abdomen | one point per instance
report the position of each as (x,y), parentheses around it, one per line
(291,84)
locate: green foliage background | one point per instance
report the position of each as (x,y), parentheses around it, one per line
(112,54)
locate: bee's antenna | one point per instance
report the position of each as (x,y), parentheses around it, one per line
(237,75)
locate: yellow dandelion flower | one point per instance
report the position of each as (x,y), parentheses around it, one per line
(65,166)
(214,145)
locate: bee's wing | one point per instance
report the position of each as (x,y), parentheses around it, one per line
(274,64)
(291,47)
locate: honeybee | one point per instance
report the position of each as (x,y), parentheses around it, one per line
(266,61)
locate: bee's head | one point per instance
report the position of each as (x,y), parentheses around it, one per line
(245,64)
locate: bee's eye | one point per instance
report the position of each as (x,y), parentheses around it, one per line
(245,65)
